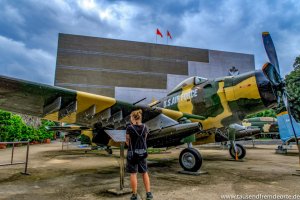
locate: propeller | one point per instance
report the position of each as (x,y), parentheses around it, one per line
(272,72)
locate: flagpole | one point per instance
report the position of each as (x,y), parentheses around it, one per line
(167,40)
(156,38)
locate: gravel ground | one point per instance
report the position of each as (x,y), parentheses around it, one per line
(74,174)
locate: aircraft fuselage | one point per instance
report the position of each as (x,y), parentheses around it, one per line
(221,101)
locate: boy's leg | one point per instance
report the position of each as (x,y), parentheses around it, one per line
(143,169)
(146,181)
(133,182)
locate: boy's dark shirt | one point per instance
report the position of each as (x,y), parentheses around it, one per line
(134,142)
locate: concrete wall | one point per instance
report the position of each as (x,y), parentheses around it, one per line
(219,64)
(98,65)
(135,94)
(131,71)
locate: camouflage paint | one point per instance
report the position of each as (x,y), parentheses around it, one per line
(218,102)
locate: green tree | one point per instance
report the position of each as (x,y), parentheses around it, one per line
(13,128)
(296,64)
(10,126)
(293,88)
(44,133)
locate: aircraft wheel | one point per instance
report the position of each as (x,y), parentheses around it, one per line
(109,151)
(190,159)
(241,151)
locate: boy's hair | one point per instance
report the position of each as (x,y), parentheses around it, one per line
(136,114)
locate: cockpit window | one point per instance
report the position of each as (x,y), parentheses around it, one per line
(184,83)
(199,80)
(196,80)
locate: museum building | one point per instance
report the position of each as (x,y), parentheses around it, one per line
(129,70)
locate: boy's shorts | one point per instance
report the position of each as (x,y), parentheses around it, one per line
(137,166)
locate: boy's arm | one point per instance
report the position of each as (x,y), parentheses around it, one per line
(127,139)
(147,132)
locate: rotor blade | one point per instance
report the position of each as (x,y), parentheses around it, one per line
(270,50)
(271,73)
(286,103)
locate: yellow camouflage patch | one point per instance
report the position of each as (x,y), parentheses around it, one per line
(247,89)
(185,104)
(215,122)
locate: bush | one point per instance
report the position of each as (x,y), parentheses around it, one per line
(12,128)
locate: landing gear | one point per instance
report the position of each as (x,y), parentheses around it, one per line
(240,150)
(190,160)
(109,150)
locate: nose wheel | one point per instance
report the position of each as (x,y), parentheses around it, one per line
(190,159)
(238,151)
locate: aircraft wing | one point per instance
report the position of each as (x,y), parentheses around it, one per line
(67,128)
(75,107)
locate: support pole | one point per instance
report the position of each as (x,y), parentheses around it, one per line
(12,156)
(26,162)
(122,172)
(298,145)
(12,153)
(119,136)
(253,144)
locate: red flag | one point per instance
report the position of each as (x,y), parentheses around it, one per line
(158,33)
(169,35)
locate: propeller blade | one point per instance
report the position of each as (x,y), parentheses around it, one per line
(270,49)
(272,74)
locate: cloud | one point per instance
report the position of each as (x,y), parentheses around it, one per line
(237,26)
(19,61)
(12,15)
(32,27)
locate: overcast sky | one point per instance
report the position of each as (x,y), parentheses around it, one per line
(29,28)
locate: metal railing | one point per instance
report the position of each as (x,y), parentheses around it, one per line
(12,156)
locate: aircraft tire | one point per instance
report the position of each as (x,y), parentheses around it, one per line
(109,151)
(241,151)
(190,159)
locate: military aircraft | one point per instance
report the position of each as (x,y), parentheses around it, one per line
(267,125)
(286,127)
(191,112)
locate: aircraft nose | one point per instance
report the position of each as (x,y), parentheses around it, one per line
(267,93)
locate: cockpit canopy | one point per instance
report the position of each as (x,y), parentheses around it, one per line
(194,80)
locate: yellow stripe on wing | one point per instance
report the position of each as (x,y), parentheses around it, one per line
(84,101)
(172,113)
(52,117)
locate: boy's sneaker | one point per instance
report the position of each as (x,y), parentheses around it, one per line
(149,196)
(134,197)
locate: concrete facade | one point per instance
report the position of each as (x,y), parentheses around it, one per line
(130,71)
(220,63)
